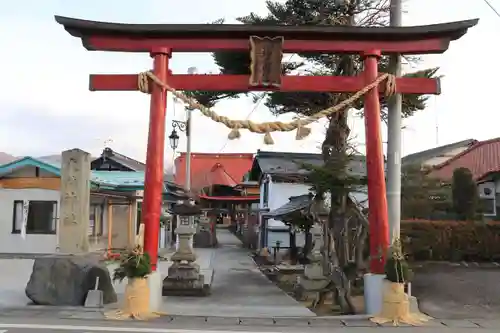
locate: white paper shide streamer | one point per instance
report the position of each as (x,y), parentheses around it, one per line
(26,208)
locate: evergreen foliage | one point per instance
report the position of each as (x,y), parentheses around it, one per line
(422,196)
(133,264)
(311,12)
(396,266)
(465,195)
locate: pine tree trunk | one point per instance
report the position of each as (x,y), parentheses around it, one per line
(334,147)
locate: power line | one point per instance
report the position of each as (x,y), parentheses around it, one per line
(487,2)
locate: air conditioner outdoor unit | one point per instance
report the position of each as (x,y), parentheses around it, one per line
(487,190)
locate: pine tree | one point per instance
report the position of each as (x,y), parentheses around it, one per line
(319,12)
(423,197)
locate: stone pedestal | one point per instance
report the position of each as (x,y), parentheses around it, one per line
(313,280)
(184,277)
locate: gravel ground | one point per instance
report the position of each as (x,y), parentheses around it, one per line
(450,292)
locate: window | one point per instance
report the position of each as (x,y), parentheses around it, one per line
(42,217)
(96,220)
(488,206)
(265,198)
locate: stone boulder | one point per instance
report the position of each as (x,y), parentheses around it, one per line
(66,281)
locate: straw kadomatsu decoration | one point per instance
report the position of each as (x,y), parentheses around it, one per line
(395,302)
(135,265)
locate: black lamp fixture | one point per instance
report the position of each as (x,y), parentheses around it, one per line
(174,139)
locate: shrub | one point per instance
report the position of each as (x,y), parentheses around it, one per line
(465,196)
(451,240)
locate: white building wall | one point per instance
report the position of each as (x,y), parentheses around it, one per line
(14,243)
(278,195)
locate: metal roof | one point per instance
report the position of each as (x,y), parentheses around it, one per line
(422,156)
(294,204)
(124,179)
(110,180)
(123,160)
(280,163)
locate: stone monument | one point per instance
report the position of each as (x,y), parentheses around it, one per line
(184,277)
(313,280)
(66,278)
(75,201)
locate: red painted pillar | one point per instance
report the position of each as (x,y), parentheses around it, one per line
(153,183)
(377,200)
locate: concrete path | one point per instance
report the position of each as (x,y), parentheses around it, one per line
(239,289)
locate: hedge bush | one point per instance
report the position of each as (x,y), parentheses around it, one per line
(451,240)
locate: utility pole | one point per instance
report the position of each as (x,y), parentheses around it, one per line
(394,136)
(188,165)
(191,70)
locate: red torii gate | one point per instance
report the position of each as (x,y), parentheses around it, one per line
(161,40)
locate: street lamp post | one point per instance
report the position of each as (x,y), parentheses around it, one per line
(184,276)
(174,143)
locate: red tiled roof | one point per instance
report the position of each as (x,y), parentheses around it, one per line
(481,159)
(213,169)
(216,176)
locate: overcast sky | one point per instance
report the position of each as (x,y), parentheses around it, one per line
(46,106)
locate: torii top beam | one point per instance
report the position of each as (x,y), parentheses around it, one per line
(105,36)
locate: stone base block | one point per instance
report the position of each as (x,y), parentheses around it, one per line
(155,291)
(186,280)
(413,304)
(313,285)
(373,293)
(308,289)
(184,271)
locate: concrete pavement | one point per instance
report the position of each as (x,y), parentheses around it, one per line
(242,300)
(30,324)
(239,289)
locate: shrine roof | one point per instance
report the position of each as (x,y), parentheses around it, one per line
(85,28)
(209,169)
